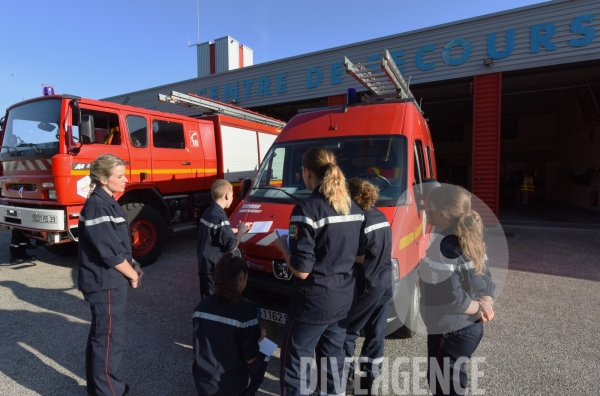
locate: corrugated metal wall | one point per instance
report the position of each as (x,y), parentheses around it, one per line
(487,94)
(222,54)
(203,52)
(292,73)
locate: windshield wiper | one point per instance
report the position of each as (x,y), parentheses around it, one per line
(35,147)
(277,189)
(8,148)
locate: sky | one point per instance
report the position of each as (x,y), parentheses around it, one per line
(97,49)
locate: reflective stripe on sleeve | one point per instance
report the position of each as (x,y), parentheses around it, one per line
(327,220)
(376,227)
(215,226)
(102,219)
(222,319)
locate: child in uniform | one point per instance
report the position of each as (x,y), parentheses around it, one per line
(215,235)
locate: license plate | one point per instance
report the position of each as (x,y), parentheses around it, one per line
(273,316)
(43,218)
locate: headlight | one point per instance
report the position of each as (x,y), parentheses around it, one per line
(52,194)
(395,269)
(47,185)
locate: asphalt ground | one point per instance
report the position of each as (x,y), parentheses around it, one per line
(543,340)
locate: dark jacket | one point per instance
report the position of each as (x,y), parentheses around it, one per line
(325,245)
(215,237)
(375,272)
(448,283)
(104,242)
(225,338)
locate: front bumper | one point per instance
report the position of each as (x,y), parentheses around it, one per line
(32,218)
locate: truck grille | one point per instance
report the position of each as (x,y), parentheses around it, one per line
(26,187)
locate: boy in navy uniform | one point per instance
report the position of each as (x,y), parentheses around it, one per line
(215,235)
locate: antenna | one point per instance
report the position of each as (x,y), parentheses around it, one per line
(198,18)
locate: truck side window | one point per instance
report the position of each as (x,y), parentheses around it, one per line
(106,127)
(429,161)
(138,131)
(421,158)
(418,172)
(168,134)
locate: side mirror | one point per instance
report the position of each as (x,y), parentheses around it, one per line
(244,188)
(426,187)
(87,133)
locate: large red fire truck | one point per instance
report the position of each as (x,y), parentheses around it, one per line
(49,142)
(384,139)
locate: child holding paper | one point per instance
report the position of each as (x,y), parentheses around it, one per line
(227,335)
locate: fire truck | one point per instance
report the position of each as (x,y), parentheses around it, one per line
(49,142)
(384,139)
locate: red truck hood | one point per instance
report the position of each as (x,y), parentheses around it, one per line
(258,248)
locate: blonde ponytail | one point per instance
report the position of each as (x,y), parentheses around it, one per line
(469,230)
(322,163)
(454,203)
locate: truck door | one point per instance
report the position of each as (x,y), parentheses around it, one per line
(420,175)
(140,154)
(171,158)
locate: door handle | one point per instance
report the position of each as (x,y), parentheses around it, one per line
(186,163)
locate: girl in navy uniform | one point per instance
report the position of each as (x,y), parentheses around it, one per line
(323,245)
(374,288)
(456,288)
(106,270)
(226,335)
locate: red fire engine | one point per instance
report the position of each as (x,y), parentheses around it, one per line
(385,132)
(49,142)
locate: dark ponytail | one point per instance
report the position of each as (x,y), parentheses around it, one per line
(226,275)
(322,163)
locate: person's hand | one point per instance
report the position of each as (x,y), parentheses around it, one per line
(486,312)
(281,243)
(243,228)
(134,283)
(138,269)
(263,334)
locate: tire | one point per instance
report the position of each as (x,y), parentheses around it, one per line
(63,249)
(148,232)
(409,328)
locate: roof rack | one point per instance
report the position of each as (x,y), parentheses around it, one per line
(209,106)
(382,78)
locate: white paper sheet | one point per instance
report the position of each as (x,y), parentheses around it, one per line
(260,227)
(267,346)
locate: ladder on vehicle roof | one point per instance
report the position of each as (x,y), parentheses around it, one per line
(209,106)
(382,78)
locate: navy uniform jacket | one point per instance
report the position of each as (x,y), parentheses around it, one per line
(104,242)
(224,339)
(375,272)
(448,284)
(324,244)
(215,237)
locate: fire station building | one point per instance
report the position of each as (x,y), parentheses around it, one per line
(507,95)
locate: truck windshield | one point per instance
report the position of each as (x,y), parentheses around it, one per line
(32,127)
(378,159)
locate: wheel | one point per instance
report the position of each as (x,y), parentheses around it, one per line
(63,249)
(386,183)
(409,328)
(148,232)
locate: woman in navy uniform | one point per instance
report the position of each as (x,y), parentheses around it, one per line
(374,288)
(456,288)
(323,244)
(106,269)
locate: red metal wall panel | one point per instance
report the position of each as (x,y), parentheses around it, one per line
(213,61)
(241,56)
(487,94)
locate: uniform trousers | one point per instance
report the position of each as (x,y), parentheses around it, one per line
(18,244)
(369,314)
(300,342)
(452,346)
(106,341)
(207,285)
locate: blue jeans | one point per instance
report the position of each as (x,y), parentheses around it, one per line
(447,349)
